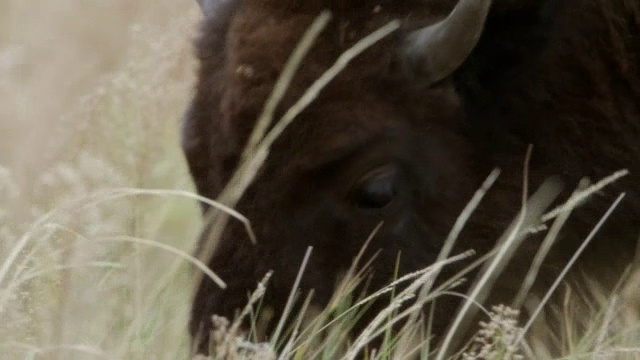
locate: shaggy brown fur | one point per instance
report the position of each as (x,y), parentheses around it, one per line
(563,76)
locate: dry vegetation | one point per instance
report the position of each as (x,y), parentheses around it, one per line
(91,94)
(93,264)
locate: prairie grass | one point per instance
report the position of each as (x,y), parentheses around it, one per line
(91,96)
(98,222)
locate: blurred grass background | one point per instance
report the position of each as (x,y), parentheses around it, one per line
(91,96)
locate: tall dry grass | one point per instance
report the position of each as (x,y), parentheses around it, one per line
(91,95)
(92,265)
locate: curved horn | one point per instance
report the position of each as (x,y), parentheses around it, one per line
(207,6)
(436,51)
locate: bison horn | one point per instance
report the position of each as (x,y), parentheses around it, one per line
(436,51)
(207,6)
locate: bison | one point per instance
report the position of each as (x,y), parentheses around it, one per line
(406,134)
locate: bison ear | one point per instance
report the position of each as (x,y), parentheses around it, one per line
(436,51)
(207,6)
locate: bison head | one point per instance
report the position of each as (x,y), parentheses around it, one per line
(384,143)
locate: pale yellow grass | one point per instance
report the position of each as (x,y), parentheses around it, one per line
(91,95)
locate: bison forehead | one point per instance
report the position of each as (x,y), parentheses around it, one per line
(263,34)
(357,103)
(335,128)
(352,6)
(262,41)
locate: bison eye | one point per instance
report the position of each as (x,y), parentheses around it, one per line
(376,189)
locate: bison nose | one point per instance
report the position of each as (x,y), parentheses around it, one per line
(376,189)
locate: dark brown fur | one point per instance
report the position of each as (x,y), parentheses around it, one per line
(563,77)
